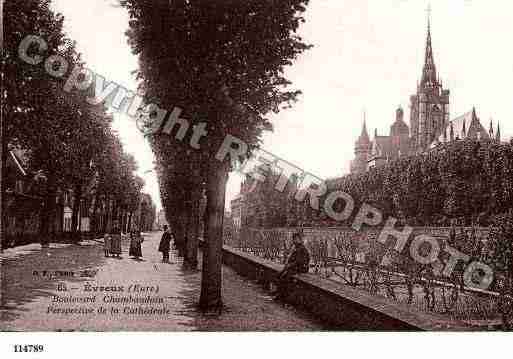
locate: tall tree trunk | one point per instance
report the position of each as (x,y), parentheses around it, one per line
(3,137)
(115,216)
(48,214)
(179,232)
(106,214)
(191,250)
(130,220)
(141,220)
(75,220)
(122,221)
(184,220)
(211,279)
(94,219)
(3,173)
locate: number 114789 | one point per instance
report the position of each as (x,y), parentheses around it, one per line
(37,348)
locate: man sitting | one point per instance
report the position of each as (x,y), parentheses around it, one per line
(298,262)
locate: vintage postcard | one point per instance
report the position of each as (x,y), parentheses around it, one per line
(256,166)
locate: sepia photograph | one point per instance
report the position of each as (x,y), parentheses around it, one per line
(255,166)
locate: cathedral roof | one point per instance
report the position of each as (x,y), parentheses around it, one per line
(382,146)
(465,126)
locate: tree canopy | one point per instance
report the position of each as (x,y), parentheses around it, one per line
(222,63)
(67,140)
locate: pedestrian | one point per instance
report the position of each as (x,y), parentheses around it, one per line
(107,243)
(135,244)
(165,244)
(115,249)
(298,262)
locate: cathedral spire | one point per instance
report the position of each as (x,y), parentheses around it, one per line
(429,77)
(490,131)
(364,136)
(498,138)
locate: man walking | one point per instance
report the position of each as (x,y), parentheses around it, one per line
(165,244)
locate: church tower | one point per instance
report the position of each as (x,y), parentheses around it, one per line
(362,151)
(399,134)
(429,107)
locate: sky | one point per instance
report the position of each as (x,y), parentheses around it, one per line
(367,56)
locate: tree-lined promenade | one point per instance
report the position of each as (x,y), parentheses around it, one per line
(36,304)
(219,66)
(68,145)
(223,63)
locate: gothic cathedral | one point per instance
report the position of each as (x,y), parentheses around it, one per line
(429,123)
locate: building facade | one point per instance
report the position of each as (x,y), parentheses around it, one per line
(430,123)
(23,204)
(236,210)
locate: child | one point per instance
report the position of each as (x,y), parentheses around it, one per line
(135,244)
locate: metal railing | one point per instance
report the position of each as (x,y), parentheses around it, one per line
(356,259)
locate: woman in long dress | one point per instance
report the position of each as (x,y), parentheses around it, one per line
(135,244)
(115,249)
(107,244)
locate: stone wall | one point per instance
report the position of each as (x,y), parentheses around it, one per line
(338,306)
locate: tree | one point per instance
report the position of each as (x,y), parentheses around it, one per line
(70,142)
(23,87)
(3,158)
(225,61)
(468,181)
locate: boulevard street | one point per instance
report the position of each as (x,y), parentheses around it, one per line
(76,288)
